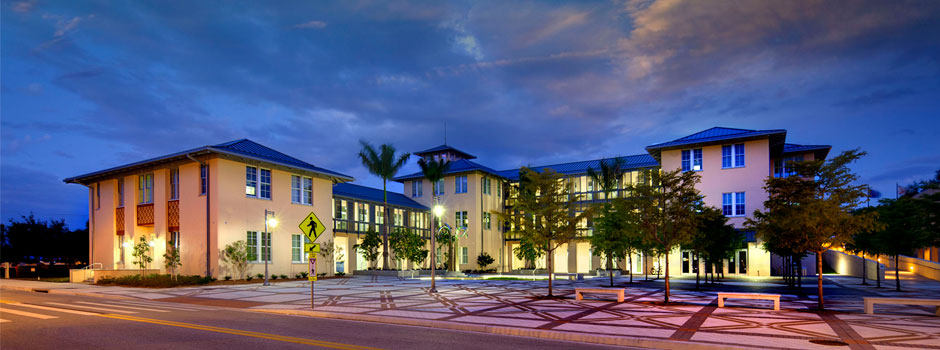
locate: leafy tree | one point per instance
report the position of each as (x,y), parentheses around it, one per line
(905,229)
(326,251)
(864,242)
(715,239)
(27,240)
(610,237)
(171,260)
(445,239)
(548,210)
(141,255)
(812,210)
(384,164)
(528,252)
(370,247)
(484,259)
(666,210)
(408,246)
(236,255)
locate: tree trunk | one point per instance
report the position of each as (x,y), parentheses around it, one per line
(878,269)
(897,275)
(667,279)
(819,280)
(696,270)
(433,251)
(798,271)
(630,260)
(385,231)
(610,269)
(864,268)
(551,269)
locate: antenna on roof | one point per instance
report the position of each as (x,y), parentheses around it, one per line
(445,133)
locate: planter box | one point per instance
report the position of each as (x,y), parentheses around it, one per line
(99,274)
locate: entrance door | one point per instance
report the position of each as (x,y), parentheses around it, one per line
(686,261)
(731,264)
(742,262)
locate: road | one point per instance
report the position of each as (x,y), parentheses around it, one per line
(30,320)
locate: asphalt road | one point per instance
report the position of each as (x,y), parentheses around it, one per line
(30,320)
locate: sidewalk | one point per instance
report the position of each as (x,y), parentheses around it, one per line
(516,307)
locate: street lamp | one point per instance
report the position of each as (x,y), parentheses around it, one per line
(438,211)
(267,222)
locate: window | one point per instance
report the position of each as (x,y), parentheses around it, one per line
(732,204)
(362,217)
(301,190)
(174,240)
(398,217)
(439,188)
(341,214)
(255,188)
(120,192)
(297,253)
(98,195)
(499,188)
(461,219)
(259,245)
(203,179)
(417,188)
(692,159)
(464,255)
(121,248)
(732,156)
(380,215)
(460,184)
(486,186)
(784,167)
(174,184)
(486,220)
(145,188)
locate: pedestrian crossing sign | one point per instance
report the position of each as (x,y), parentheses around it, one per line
(311,248)
(312,227)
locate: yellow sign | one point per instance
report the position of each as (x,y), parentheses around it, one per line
(312,247)
(312,276)
(312,227)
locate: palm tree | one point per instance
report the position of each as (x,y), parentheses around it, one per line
(434,171)
(385,164)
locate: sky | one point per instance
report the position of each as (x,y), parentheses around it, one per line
(87,85)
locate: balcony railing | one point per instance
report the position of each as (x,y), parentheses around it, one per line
(145,214)
(173,215)
(119,221)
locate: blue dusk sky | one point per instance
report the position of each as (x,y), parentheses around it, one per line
(93,84)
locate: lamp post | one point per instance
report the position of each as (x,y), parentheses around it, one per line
(438,211)
(267,222)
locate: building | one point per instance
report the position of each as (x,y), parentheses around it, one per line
(202,199)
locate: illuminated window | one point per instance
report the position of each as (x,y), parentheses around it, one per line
(174,184)
(145,189)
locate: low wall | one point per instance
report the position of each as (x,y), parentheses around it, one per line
(851,265)
(96,275)
(928,269)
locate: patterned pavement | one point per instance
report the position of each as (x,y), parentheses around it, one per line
(691,315)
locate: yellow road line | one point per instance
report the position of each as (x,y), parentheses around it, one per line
(268,336)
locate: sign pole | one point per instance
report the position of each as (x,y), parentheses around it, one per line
(311,294)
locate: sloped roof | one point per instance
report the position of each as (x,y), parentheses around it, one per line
(242,148)
(719,134)
(457,166)
(630,163)
(374,195)
(821,151)
(444,148)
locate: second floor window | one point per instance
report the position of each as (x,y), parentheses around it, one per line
(417,188)
(460,184)
(732,204)
(439,188)
(120,192)
(784,167)
(461,219)
(486,221)
(692,159)
(174,184)
(203,179)
(145,189)
(732,156)
(255,185)
(486,186)
(301,189)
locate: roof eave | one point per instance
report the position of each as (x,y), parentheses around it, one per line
(332,176)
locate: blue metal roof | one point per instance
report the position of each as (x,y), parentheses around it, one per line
(630,163)
(716,134)
(820,151)
(242,148)
(444,148)
(374,195)
(457,166)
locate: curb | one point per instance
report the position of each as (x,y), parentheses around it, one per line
(512,331)
(65,291)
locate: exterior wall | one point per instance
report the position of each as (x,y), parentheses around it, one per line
(103,241)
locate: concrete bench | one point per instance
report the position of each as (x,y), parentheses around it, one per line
(871,301)
(724,295)
(571,276)
(579,291)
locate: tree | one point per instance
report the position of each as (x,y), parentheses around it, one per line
(384,164)
(862,243)
(27,240)
(141,255)
(433,170)
(812,210)
(171,260)
(483,260)
(236,255)
(445,239)
(326,251)
(714,239)
(610,237)
(408,245)
(370,247)
(548,211)
(666,210)
(529,252)
(905,229)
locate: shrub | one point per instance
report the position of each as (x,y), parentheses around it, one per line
(283,276)
(228,278)
(155,280)
(260,275)
(249,278)
(236,255)
(273,277)
(341,274)
(484,259)
(303,274)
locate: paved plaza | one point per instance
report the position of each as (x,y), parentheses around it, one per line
(692,316)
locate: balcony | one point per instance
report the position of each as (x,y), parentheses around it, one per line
(145,214)
(119,221)
(173,215)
